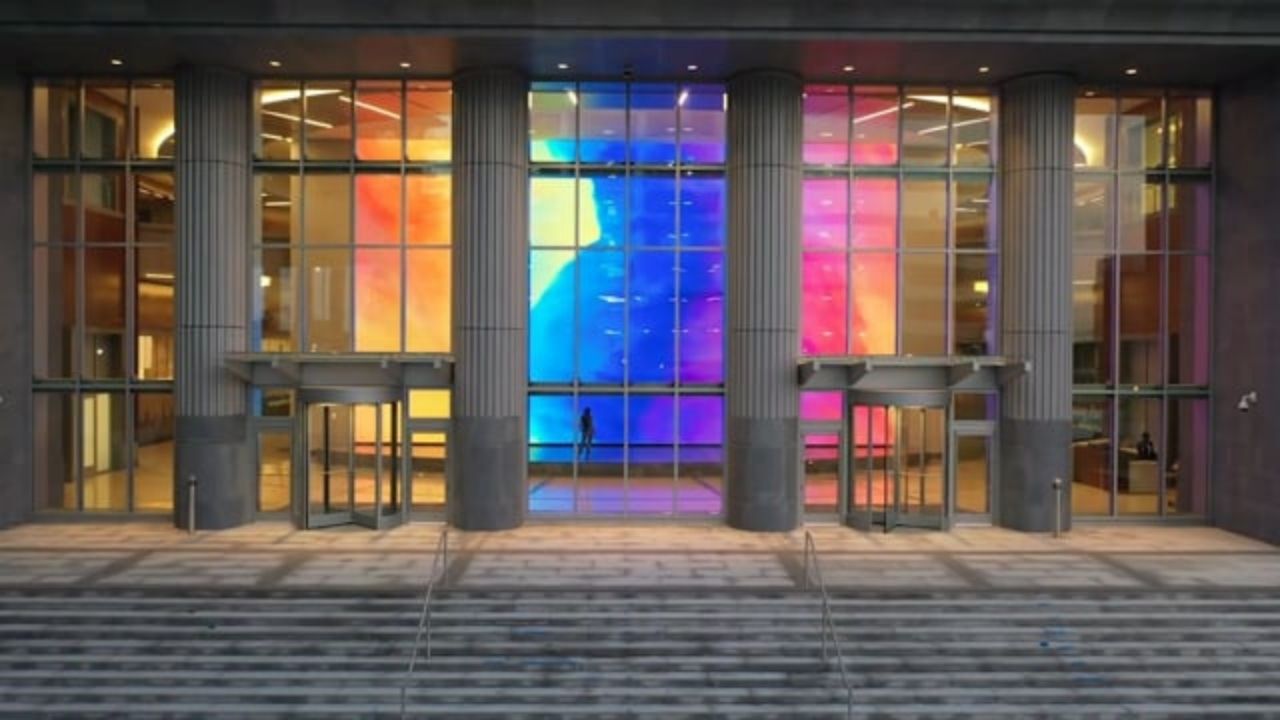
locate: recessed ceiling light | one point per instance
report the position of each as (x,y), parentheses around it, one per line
(1089,93)
(693,68)
(562,66)
(117,62)
(273,63)
(847,68)
(405,65)
(1131,71)
(984,69)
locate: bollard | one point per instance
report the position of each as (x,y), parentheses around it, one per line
(1057,507)
(191,504)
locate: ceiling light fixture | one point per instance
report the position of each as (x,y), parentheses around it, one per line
(693,68)
(684,97)
(1131,71)
(984,69)
(405,66)
(117,62)
(274,63)
(848,68)
(562,66)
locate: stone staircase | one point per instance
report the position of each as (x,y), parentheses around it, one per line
(638,653)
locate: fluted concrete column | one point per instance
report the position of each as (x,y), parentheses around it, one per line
(16,419)
(212,109)
(490,298)
(764,176)
(1037,115)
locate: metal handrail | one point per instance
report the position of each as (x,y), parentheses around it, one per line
(828,621)
(440,560)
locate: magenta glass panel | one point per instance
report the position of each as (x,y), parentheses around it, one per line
(1190,213)
(826,212)
(1188,322)
(875,311)
(821,406)
(701,420)
(701,307)
(826,125)
(824,311)
(875,126)
(652,420)
(875,213)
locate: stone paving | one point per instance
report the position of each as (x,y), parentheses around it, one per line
(270,555)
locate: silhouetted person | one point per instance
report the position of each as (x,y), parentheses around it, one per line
(587,429)
(1146,448)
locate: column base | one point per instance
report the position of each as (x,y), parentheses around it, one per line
(215,450)
(486,473)
(1032,454)
(763,489)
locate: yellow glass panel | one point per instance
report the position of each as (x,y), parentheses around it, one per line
(429,403)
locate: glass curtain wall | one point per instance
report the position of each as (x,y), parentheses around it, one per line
(1141,296)
(103,277)
(353,228)
(626,311)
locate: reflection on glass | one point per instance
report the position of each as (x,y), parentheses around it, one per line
(1190,215)
(1091,456)
(875,126)
(1140,341)
(924,214)
(972,134)
(104,121)
(153,132)
(1095,131)
(104,308)
(428,467)
(54,311)
(279,116)
(826,125)
(971,304)
(1091,215)
(279,208)
(1092,292)
(276,326)
(924,285)
(53,207)
(1141,132)
(328,307)
(821,405)
(53,119)
(379,111)
(821,473)
(1139,207)
(153,427)
(972,199)
(975,406)
(1188,319)
(602,115)
(275,464)
(653,123)
(1187,467)
(650,454)
(102,197)
(553,122)
(329,111)
(702,124)
(53,437)
(973,475)
(328,209)
(1140,458)
(153,208)
(1190,129)
(924,126)
(153,306)
(104,457)
(429,122)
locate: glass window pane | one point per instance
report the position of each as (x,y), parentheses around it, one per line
(1189,307)
(377,209)
(602,115)
(275,461)
(153,208)
(821,473)
(552,208)
(924,284)
(327,201)
(1140,340)
(275,328)
(53,438)
(875,126)
(279,114)
(552,291)
(429,403)
(329,113)
(553,122)
(600,460)
(972,201)
(976,406)
(428,463)
(699,488)
(1187,470)
(651,318)
(650,454)
(826,125)
(924,214)
(153,311)
(552,420)
(1141,132)
(701,317)
(1139,205)
(875,303)
(823,405)
(1091,456)
(653,211)
(53,211)
(53,119)
(1091,217)
(153,423)
(1190,215)
(106,113)
(602,210)
(378,300)
(103,207)
(1094,131)
(702,124)
(280,208)
(379,110)
(429,210)
(653,124)
(429,123)
(104,457)
(826,212)
(875,213)
(972,132)
(428,306)
(104,308)
(601,302)
(55,309)
(1190,128)
(825,304)
(924,126)
(1092,292)
(702,216)
(1139,461)
(329,294)
(975,278)
(153,111)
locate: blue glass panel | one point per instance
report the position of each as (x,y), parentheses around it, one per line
(601,304)
(552,419)
(550,315)
(653,124)
(701,317)
(702,218)
(701,421)
(603,122)
(552,122)
(702,124)
(652,321)
(606,412)
(652,421)
(602,210)
(653,210)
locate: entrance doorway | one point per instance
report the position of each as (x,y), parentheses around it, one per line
(351,469)
(898,470)
(973,462)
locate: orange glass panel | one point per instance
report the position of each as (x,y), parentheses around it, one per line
(875,312)
(377,300)
(377,209)
(429,216)
(428,302)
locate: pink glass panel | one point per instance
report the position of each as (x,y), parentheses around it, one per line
(826,209)
(825,304)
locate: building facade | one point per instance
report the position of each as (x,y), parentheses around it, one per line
(483,266)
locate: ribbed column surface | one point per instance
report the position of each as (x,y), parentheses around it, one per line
(1037,116)
(490,297)
(212,128)
(16,288)
(764,176)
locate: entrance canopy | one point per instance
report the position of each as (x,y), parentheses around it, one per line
(909,375)
(420,370)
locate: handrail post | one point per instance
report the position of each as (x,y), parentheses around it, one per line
(1057,507)
(191,504)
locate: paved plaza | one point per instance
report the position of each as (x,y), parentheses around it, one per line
(273,555)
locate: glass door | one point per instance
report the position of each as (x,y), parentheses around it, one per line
(330,471)
(897,474)
(973,469)
(820,472)
(428,466)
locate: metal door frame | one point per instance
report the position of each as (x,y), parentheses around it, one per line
(417,425)
(894,402)
(825,427)
(988,429)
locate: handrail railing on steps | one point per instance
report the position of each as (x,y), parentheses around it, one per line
(439,561)
(828,622)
